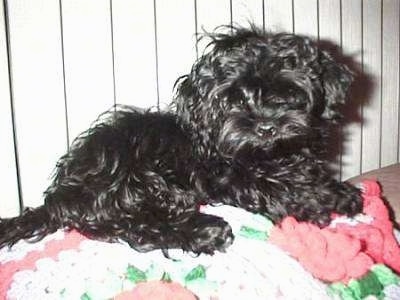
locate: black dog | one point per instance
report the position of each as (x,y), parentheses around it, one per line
(247,129)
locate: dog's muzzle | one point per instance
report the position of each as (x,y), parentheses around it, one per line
(266,130)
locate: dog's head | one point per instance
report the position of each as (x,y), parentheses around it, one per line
(255,91)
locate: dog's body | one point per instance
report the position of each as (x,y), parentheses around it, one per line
(248,127)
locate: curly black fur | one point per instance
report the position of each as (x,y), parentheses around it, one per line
(247,128)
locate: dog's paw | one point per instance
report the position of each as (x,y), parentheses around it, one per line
(349,201)
(319,206)
(210,234)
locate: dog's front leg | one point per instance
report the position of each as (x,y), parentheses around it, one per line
(171,220)
(197,233)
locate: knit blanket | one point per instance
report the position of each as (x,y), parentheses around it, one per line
(351,259)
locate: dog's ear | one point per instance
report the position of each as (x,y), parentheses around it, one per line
(190,105)
(336,79)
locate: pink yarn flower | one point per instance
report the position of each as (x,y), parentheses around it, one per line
(157,290)
(344,252)
(329,256)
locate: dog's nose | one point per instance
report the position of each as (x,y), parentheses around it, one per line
(266,130)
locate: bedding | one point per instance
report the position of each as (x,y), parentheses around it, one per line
(264,262)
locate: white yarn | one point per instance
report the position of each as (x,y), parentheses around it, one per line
(250,269)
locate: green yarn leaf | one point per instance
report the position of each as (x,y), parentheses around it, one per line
(62,292)
(135,275)
(385,275)
(366,286)
(166,277)
(196,273)
(342,290)
(85,296)
(372,284)
(253,233)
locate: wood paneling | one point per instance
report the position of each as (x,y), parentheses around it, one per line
(352,47)
(88,58)
(70,60)
(9,205)
(372,65)
(279,15)
(38,92)
(134,40)
(305,14)
(246,12)
(209,15)
(175,44)
(390,83)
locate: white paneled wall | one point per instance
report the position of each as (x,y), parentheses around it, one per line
(134,44)
(64,62)
(9,203)
(37,95)
(352,44)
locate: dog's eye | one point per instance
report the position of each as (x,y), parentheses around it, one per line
(247,101)
(274,100)
(250,101)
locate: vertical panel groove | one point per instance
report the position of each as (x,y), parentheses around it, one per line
(341,22)
(63,73)
(363,72)
(231,11)
(11,88)
(318,20)
(381,91)
(156,50)
(113,52)
(293,19)
(263,15)
(196,29)
(341,127)
(398,99)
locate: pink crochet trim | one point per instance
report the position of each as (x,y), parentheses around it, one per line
(345,251)
(157,290)
(52,249)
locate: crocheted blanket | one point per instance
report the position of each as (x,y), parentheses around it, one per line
(351,259)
